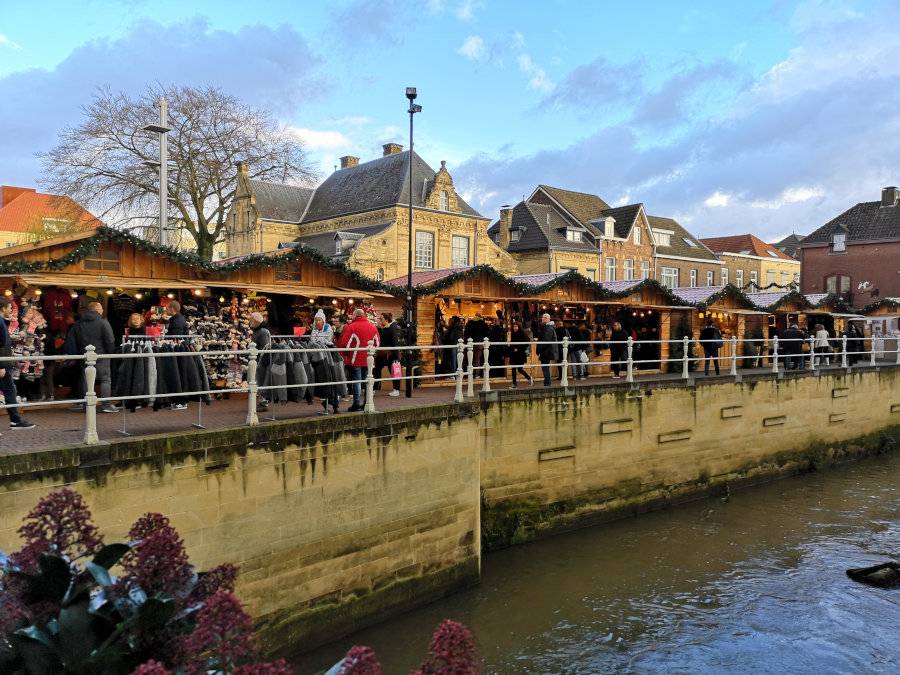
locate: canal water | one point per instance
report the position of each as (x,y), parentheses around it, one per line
(754,584)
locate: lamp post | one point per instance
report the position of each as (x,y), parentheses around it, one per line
(162,129)
(410,326)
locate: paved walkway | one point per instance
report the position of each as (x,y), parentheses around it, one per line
(57,427)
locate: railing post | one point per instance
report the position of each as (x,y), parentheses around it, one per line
(460,358)
(470,368)
(629,365)
(898,351)
(90,396)
(872,351)
(775,355)
(812,354)
(734,345)
(369,406)
(844,351)
(486,349)
(564,379)
(252,387)
(686,358)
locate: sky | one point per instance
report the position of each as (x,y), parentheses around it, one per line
(768,117)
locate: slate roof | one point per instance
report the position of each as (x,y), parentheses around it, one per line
(584,206)
(698,294)
(619,286)
(426,276)
(372,185)
(866,221)
(625,217)
(541,227)
(790,245)
(679,246)
(746,244)
(323,242)
(275,201)
(537,279)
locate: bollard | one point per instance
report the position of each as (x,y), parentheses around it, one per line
(812,354)
(90,396)
(734,356)
(486,349)
(252,386)
(369,407)
(686,358)
(629,365)
(844,351)
(775,354)
(470,368)
(564,378)
(460,357)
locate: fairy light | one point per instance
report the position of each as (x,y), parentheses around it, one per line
(245,301)
(74,295)
(334,302)
(198,292)
(350,301)
(221,298)
(7,292)
(312,301)
(138,295)
(170,296)
(109,291)
(38,291)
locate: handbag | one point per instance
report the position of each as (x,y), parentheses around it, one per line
(583,357)
(396,370)
(805,348)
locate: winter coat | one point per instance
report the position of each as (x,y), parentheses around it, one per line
(518,354)
(617,351)
(390,337)
(356,337)
(93,329)
(710,339)
(546,350)
(791,341)
(177,325)
(822,339)
(476,329)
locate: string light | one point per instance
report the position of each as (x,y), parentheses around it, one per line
(170,296)
(7,292)
(198,292)
(38,291)
(334,302)
(74,295)
(221,298)
(350,301)
(109,291)
(138,295)
(312,301)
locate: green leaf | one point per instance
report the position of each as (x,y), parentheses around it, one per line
(100,574)
(76,636)
(55,577)
(155,612)
(110,555)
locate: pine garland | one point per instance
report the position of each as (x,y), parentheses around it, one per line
(890,303)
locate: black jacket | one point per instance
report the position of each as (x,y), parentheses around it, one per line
(547,352)
(791,344)
(616,350)
(177,325)
(390,337)
(710,338)
(476,329)
(93,329)
(518,354)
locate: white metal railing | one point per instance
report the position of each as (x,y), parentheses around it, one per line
(473,361)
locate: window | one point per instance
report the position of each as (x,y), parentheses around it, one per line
(754,280)
(693,278)
(568,269)
(797,279)
(724,277)
(772,253)
(663,238)
(338,247)
(839,242)
(637,236)
(608,228)
(610,269)
(105,260)
(670,277)
(459,251)
(629,268)
(573,235)
(472,285)
(690,242)
(770,277)
(379,275)
(837,283)
(739,278)
(645,269)
(445,201)
(710,278)
(784,278)
(287,271)
(424,250)
(515,234)
(592,274)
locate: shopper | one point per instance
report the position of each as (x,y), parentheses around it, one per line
(451,339)
(321,338)
(93,329)
(389,336)
(135,325)
(356,337)
(711,342)
(498,350)
(822,345)
(177,323)
(618,349)
(476,329)
(791,345)
(547,349)
(577,351)
(7,385)
(518,353)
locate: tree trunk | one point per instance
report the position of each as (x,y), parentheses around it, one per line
(205,247)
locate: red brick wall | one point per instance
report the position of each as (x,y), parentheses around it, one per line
(878,264)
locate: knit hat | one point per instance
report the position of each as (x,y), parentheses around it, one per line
(257,318)
(320,315)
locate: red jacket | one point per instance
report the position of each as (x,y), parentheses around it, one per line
(356,336)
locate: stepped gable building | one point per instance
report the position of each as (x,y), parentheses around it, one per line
(749,262)
(790,245)
(857,253)
(681,258)
(28,216)
(360,214)
(557,230)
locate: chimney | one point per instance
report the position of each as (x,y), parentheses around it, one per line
(349,161)
(505,226)
(392,149)
(890,196)
(9,192)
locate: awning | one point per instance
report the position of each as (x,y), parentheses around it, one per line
(740,311)
(840,315)
(105,281)
(290,289)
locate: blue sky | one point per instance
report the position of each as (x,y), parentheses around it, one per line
(732,117)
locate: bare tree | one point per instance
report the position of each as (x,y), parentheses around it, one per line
(102,162)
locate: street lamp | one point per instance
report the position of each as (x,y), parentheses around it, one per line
(162,129)
(410,326)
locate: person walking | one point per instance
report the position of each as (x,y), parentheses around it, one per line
(262,338)
(93,329)
(822,346)
(321,338)
(477,330)
(547,348)
(177,323)
(389,336)
(792,341)
(7,385)
(518,353)
(618,349)
(498,350)
(355,338)
(855,343)
(711,342)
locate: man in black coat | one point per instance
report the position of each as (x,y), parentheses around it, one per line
(93,329)
(547,350)
(389,336)
(177,323)
(791,345)
(711,341)
(476,329)
(618,350)
(7,385)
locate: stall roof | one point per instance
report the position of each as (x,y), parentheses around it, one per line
(103,281)
(696,294)
(290,289)
(426,277)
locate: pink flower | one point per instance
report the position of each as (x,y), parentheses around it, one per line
(452,651)
(360,661)
(63,521)
(158,562)
(151,667)
(221,578)
(222,638)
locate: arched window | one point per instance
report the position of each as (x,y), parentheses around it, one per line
(445,201)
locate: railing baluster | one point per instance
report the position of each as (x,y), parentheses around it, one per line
(470,350)
(564,379)
(486,355)
(460,358)
(872,351)
(812,353)
(629,365)
(369,406)
(90,396)
(775,355)
(844,351)
(252,386)
(734,345)
(686,358)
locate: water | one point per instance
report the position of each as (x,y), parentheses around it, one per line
(756,584)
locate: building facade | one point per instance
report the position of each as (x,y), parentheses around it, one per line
(28,216)
(749,262)
(681,259)
(360,214)
(856,254)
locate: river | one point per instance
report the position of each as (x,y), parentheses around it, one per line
(754,584)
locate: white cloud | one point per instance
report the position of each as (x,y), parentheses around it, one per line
(435,6)
(795,195)
(6,42)
(315,139)
(537,77)
(623,200)
(472,48)
(717,199)
(518,40)
(351,120)
(466,9)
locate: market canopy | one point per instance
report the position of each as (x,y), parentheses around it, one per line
(290,289)
(104,281)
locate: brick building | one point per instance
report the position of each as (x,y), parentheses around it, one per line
(359,214)
(857,253)
(682,259)
(28,216)
(749,262)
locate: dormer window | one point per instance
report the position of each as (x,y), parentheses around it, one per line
(662,238)
(338,247)
(573,235)
(839,242)
(515,234)
(445,201)
(637,236)
(609,228)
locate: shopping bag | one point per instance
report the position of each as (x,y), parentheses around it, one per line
(396,370)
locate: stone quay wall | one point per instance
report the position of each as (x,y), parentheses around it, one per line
(339,522)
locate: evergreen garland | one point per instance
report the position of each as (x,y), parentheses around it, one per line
(890,303)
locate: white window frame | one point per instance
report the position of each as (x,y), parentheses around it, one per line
(454,250)
(663,238)
(670,277)
(710,278)
(515,234)
(754,278)
(628,273)
(693,281)
(784,278)
(424,258)
(724,276)
(739,278)
(444,201)
(610,269)
(645,269)
(637,236)
(574,235)
(770,277)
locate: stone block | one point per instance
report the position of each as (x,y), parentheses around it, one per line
(732,412)
(617,426)
(672,436)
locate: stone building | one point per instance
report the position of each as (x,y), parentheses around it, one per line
(749,262)
(856,254)
(359,214)
(556,230)
(28,216)
(682,259)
